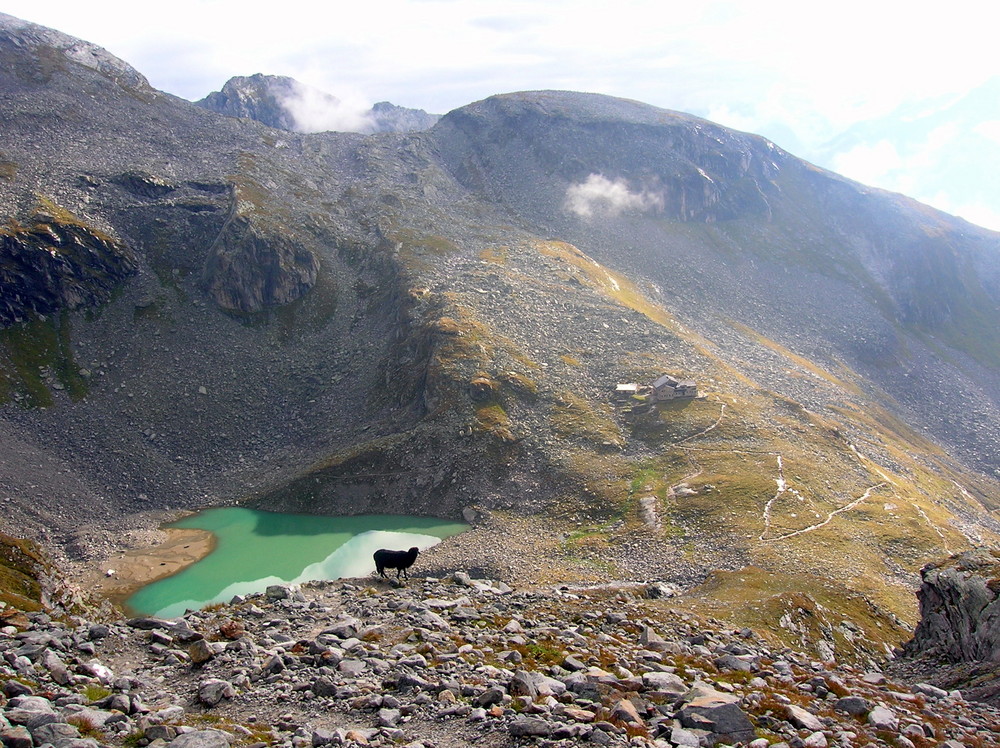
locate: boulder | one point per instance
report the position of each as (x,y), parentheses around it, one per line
(802,719)
(211,692)
(16,737)
(530,727)
(881,718)
(202,739)
(56,733)
(717,713)
(666,682)
(853,705)
(201,652)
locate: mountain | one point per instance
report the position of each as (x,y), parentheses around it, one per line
(202,310)
(286,104)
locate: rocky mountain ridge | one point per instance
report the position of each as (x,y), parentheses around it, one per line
(287,104)
(432,322)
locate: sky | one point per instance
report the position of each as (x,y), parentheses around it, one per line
(891,94)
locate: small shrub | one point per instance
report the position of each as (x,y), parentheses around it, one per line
(87,727)
(94,692)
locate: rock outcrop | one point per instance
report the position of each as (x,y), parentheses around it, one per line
(959,625)
(960,608)
(57,50)
(57,262)
(259,97)
(249,270)
(287,104)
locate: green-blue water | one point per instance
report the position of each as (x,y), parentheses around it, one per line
(255,549)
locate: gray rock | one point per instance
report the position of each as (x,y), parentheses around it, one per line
(344,628)
(489,697)
(14,688)
(56,733)
(147,624)
(625,711)
(818,740)
(30,704)
(351,667)
(211,692)
(16,737)
(323,736)
(932,691)
(98,631)
(31,720)
(719,714)
(201,652)
(324,686)
(522,684)
(666,682)
(523,727)
(161,732)
(853,705)
(881,718)
(202,739)
(731,662)
(802,719)
(682,737)
(278,592)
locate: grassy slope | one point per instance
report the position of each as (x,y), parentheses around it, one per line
(20,566)
(866,501)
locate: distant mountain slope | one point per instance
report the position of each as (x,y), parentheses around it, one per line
(286,104)
(907,295)
(432,322)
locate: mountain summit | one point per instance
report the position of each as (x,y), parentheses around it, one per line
(286,104)
(201,310)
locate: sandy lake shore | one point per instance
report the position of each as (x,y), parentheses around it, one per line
(126,572)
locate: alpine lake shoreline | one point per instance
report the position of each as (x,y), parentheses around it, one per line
(171,549)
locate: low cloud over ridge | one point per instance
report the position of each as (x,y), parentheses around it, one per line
(599,196)
(317,111)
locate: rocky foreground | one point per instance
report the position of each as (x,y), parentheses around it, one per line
(450,662)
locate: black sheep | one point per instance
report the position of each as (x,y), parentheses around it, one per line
(398,560)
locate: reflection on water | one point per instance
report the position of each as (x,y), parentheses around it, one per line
(255,549)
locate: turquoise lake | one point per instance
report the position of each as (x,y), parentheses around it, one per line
(255,549)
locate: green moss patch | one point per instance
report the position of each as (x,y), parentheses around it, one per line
(36,358)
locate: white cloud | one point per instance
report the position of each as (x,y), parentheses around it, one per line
(989,129)
(600,196)
(318,111)
(870,163)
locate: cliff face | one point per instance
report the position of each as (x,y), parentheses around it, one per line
(57,262)
(960,622)
(960,609)
(287,104)
(262,98)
